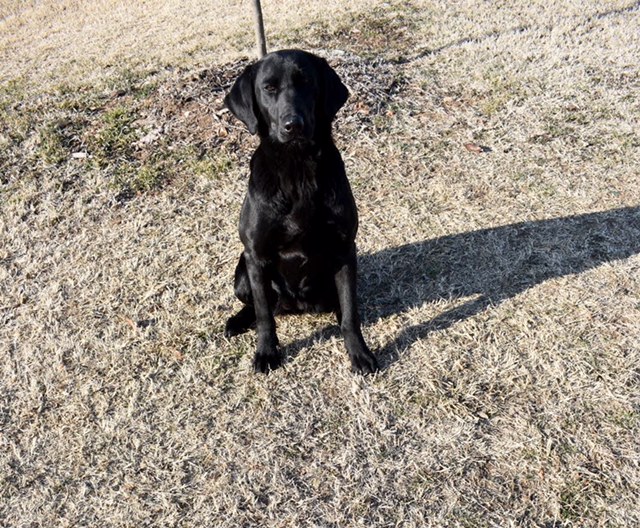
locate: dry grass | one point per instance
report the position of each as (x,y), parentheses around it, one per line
(49,42)
(499,284)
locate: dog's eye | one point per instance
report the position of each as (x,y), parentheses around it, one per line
(270,88)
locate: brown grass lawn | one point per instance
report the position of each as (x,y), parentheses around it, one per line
(494,151)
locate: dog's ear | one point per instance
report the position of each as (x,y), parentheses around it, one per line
(241,99)
(335,93)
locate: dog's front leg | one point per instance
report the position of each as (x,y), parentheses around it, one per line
(362,360)
(267,356)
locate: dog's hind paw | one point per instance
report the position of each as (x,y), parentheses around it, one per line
(240,323)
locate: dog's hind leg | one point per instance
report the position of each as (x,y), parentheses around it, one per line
(245,319)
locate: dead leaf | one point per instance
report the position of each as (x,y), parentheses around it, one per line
(362,108)
(472,147)
(129,322)
(478,149)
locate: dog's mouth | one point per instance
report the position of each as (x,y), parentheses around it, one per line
(294,140)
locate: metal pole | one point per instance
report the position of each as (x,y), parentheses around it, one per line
(259,26)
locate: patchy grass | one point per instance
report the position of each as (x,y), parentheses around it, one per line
(499,281)
(115,136)
(366,33)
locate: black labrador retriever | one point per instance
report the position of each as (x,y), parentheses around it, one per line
(299,219)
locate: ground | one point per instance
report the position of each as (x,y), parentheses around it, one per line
(494,153)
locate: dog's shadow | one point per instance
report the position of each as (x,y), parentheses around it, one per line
(488,266)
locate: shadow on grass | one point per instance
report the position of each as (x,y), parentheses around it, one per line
(489,265)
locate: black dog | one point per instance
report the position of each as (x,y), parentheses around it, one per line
(299,219)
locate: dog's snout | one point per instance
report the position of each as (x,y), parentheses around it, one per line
(294,125)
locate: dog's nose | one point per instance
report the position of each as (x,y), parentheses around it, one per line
(294,125)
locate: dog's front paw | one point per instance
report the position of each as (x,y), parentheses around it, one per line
(265,361)
(363,362)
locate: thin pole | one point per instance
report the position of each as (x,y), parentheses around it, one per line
(259,26)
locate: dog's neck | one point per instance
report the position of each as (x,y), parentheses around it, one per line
(295,167)
(308,148)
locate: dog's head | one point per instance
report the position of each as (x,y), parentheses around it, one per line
(289,96)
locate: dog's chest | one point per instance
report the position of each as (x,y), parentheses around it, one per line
(300,219)
(310,243)
(310,226)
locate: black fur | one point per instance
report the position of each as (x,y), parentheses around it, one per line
(299,219)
